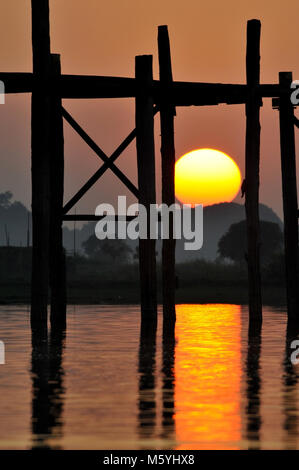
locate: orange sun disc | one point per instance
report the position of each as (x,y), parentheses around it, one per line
(206,176)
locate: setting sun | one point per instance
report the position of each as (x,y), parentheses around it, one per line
(206,176)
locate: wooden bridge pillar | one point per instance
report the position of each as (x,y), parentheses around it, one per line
(167,113)
(252,156)
(146,181)
(41,156)
(289,192)
(57,254)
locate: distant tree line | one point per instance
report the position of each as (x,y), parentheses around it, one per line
(233,244)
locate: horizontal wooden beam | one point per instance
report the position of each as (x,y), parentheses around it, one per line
(182,93)
(81,87)
(73,86)
(17,82)
(271,90)
(206,94)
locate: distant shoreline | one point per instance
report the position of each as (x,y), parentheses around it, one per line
(97,293)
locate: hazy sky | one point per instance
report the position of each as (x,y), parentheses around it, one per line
(96,37)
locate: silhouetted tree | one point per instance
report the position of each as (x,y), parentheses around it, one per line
(5,199)
(275,270)
(13,220)
(233,245)
(116,250)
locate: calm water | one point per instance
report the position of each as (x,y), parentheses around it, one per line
(101,387)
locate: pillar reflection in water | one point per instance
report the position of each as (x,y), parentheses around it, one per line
(47,387)
(168,386)
(290,390)
(147,381)
(156,408)
(253,390)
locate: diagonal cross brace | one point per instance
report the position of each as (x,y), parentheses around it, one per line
(108,162)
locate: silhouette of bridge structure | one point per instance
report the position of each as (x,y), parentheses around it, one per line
(49,87)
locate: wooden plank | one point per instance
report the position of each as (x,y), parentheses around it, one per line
(146,182)
(252,156)
(167,112)
(57,255)
(289,191)
(41,155)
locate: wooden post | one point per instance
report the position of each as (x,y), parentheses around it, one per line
(252,169)
(40,162)
(57,254)
(167,113)
(289,192)
(146,180)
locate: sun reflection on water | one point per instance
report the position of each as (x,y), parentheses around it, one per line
(208,376)
(108,385)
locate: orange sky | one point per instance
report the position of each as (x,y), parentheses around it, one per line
(94,37)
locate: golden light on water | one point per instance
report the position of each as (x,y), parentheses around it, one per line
(208,376)
(206,176)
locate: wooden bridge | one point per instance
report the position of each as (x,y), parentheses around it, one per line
(49,87)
